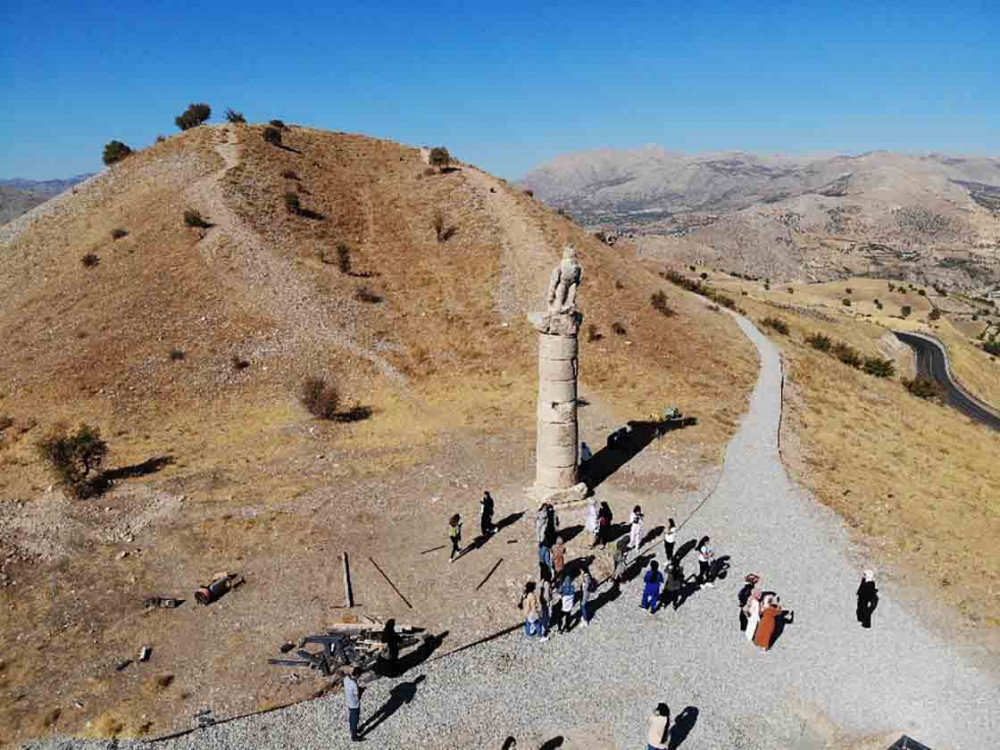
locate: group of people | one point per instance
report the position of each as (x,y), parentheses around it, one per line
(761,614)
(486,525)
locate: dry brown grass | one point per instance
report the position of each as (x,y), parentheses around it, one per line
(918,482)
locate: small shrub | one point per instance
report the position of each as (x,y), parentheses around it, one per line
(891,286)
(6,422)
(922,292)
(177,355)
(364,294)
(879,367)
(530,193)
(593,334)
(905,311)
(118,233)
(791,290)
(239,363)
(75,458)
(618,329)
(704,276)
(193,116)
(320,399)
(272,136)
(767,286)
(161,138)
(847,354)
(934,314)
(975,318)
(776,324)
(619,285)
(292,203)
(692,269)
(440,158)
(344,257)
(819,341)
(659,302)
(279,124)
(235,117)
(114,152)
(925,388)
(290,174)
(90,260)
(194,219)
(877,303)
(845,302)
(848,290)
(441,230)
(992,347)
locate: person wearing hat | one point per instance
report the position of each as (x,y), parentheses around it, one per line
(352,694)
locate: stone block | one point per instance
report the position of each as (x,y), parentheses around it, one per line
(557,455)
(557,433)
(558,369)
(558,391)
(556,477)
(557,347)
(550,411)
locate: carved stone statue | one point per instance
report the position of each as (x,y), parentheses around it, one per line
(564,282)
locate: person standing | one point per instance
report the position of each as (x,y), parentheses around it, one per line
(769,614)
(587,588)
(559,557)
(541,521)
(455,534)
(391,640)
(674,584)
(669,540)
(651,591)
(867,599)
(352,695)
(551,524)
(532,611)
(635,528)
(620,557)
(545,602)
(486,519)
(590,522)
(752,609)
(604,518)
(659,723)
(705,555)
(567,591)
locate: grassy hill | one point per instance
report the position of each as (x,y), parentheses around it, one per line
(188,346)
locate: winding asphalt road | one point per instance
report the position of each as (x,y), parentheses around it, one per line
(932,362)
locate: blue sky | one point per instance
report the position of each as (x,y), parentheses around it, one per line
(506,85)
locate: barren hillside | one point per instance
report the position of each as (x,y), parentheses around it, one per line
(189,346)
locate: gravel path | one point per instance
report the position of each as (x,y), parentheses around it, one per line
(827,683)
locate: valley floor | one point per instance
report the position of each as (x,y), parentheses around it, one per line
(826,683)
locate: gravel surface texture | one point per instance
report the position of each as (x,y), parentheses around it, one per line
(826,683)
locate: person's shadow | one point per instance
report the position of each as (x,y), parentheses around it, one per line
(400,695)
(682,727)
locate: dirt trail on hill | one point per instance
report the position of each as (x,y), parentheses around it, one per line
(264,280)
(526,260)
(827,682)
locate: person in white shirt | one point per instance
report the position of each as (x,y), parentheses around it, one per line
(705,556)
(635,529)
(669,540)
(352,694)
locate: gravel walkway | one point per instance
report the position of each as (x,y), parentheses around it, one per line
(827,682)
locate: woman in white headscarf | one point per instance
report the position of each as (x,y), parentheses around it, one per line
(590,524)
(867,599)
(752,610)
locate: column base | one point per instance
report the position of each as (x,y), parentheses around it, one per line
(566,496)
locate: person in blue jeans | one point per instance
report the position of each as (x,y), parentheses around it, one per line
(651,591)
(352,694)
(587,588)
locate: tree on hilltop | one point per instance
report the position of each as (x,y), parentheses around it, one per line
(193,116)
(439,157)
(114,152)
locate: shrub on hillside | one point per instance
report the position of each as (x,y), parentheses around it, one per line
(320,399)
(238,362)
(767,286)
(344,257)
(193,116)
(118,233)
(114,152)
(279,124)
(76,458)
(992,347)
(879,367)
(161,138)
(593,334)
(846,354)
(272,136)
(441,229)
(704,276)
(877,303)
(819,341)
(364,294)
(292,203)
(90,260)
(290,174)
(775,324)
(905,311)
(235,117)
(922,292)
(659,302)
(193,218)
(618,329)
(177,355)
(692,269)
(845,302)
(925,388)
(934,314)
(530,193)
(848,290)
(440,158)
(791,290)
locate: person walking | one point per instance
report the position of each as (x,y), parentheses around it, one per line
(352,695)
(669,540)
(635,528)
(551,524)
(867,599)
(743,597)
(559,556)
(486,518)
(604,518)
(590,522)
(769,614)
(532,611)
(391,640)
(659,724)
(620,557)
(588,586)
(705,556)
(567,592)
(651,591)
(674,584)
(455,534)
(545,602)
(752,610)
(541,520)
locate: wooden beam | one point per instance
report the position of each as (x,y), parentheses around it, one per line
(348,591)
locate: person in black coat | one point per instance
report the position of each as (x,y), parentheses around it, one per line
(486,519)
(867,599)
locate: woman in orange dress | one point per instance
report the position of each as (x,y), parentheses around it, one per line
(769,615)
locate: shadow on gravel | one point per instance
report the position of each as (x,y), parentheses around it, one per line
(653,533)
(480,541)
(689,545)
(623,445)
(682,727)
(570,533)
(552,744)
(103,481)
(401,695)
(481,641)
(414,658)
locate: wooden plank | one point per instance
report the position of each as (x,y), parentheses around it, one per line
(348,591)
(389,581)
(492,571)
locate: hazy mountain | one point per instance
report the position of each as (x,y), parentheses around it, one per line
(18,196)
(932,217)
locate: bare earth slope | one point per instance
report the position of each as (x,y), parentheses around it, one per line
(927,218)
(188,347)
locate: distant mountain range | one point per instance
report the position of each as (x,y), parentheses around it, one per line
(18,196)
(932,218)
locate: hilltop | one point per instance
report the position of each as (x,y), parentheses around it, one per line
(929,219)
(189,346)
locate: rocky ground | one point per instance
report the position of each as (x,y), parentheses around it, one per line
(827,682)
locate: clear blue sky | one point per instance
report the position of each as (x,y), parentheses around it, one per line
(505,85)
